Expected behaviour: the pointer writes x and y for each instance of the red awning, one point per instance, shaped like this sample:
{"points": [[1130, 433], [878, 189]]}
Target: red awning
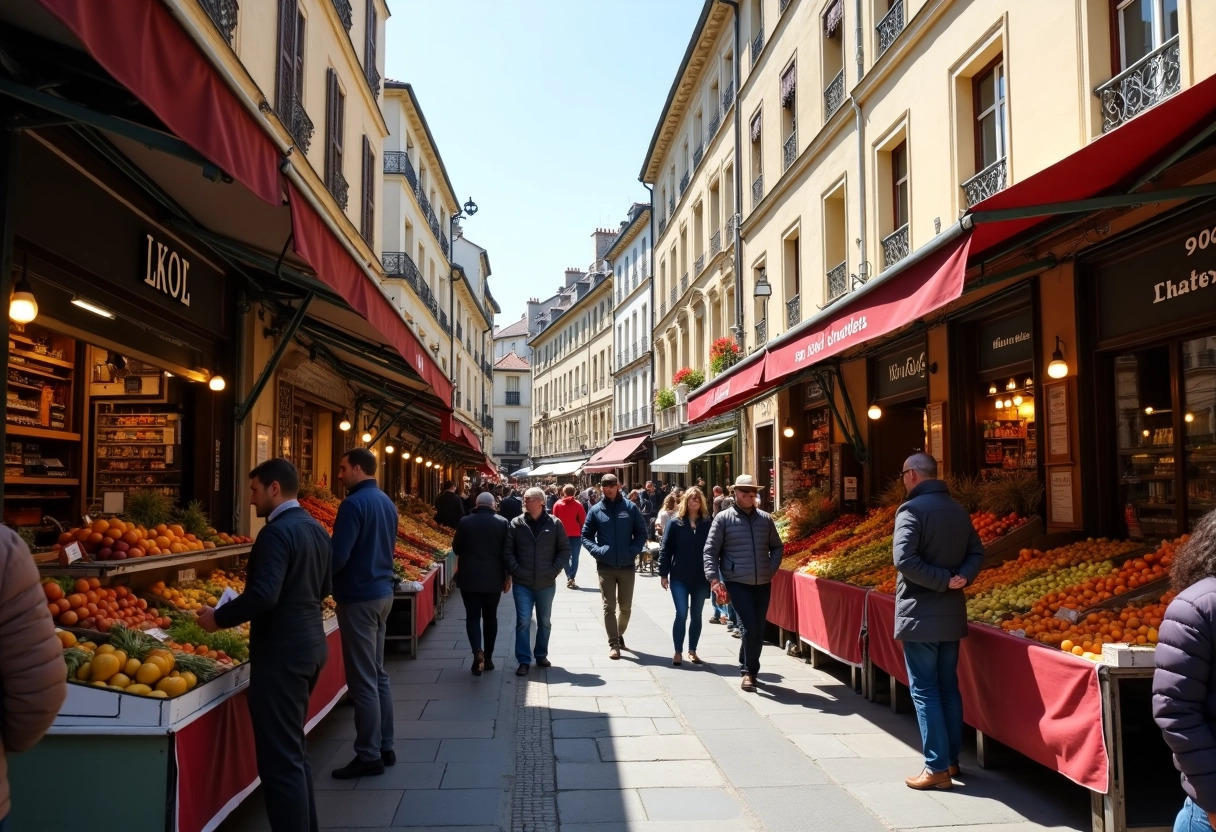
{"points": [[725, 394], [615, 454], [143, 47], [454, 430], [487, 468]]}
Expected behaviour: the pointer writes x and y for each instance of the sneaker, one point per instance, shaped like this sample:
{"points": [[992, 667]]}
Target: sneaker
{"points": [[389, 758], [359, 768], [715, 620], [572, 585]]}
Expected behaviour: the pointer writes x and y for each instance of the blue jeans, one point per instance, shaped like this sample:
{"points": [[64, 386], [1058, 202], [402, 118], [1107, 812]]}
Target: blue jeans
{"points": [[688, 597], [751, 605], [933, 682], [1190, 819], [526, 598], [576, 546], [4, 824]]}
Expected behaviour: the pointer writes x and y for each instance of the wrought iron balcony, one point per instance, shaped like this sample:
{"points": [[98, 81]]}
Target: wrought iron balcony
{"points": [[761, 333], [662, 225], [782, 6], [715, 243], [487, 422], [698, 153], [987, 182], [757, 46], [890, 26], [223, 14], [698, 265], [1143, 85], [345, 13], [793, 312], [673, 297], [399, 264], [730, 229], [444, 324], [458, 398], [459, 331], [671, 205], [645, 343], [833, 96], [512, 446], [757, 190], [443, 243], [684, 283], [662, 308], [838, 280], [338, 187], [728, 96], [633, 356], [398, 161], [298, 123], [684, 182], [373, 80], [895, 246], [790, 151], [715, 121]]}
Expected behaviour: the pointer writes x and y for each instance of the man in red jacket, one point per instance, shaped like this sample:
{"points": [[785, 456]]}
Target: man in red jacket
{"points": [[572, 514]]}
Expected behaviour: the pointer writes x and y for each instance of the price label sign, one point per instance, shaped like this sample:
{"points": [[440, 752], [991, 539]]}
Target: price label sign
{"points": [[1071, 616], [229, 594], [158, 634], [185, 575], [70, 554]]}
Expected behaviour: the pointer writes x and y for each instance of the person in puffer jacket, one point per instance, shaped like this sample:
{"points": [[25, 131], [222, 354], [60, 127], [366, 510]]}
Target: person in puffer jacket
{"points": [[745, 549], [1184, 685], [614, 534]]}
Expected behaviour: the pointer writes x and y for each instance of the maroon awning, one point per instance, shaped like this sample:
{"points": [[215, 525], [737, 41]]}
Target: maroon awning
{"points": [[724, 394], [615, 454], [454, 430], [140, 44]]}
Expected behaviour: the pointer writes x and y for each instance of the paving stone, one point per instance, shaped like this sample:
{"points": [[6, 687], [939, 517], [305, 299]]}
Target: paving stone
{"points": [[668, 725], [601, 806], [444, 728], [646, 706], [604, 726], [404, 776], [369, 808], [636, 775], [689, 804], [902, 807], [482, 774], [735, 825], [574, 707], [821, 746], [459, 710], [812, 807], [581, 750], [404, 710], [414, 675], [738, 719], [447, 807], [458, 750], [609, 689], [724, 701], [651, 748], [871, 770]]}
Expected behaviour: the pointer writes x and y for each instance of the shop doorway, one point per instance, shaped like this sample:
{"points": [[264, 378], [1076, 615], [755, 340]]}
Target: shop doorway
{"points": [[765, 462], [898, 434]]}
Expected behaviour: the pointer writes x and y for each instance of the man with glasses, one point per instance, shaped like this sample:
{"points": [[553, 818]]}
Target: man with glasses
{"points": [[744, 551], [937, 553], [615, 534], [536, 552]]}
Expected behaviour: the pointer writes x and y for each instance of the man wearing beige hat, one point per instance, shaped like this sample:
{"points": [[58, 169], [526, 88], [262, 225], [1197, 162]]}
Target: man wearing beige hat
{"points": [[744, 551]]}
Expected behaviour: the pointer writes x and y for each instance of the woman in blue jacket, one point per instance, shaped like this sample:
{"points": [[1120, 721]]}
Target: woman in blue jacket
{"points": [[1184, 686], [681, 567]]}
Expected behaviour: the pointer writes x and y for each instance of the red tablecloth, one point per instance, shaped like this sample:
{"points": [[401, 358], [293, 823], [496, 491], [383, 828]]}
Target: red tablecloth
{"points": [[831, 616], [216, 762], [783, 607], [424, 605], [1038, 700]]}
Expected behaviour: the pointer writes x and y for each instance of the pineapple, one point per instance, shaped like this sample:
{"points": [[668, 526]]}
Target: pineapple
{"points": [[132, 642], [149, 508], [194, 520]]}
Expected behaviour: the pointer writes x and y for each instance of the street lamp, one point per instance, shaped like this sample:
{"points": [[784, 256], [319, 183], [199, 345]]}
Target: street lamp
{"points": [[763, 289], [469, 209]]}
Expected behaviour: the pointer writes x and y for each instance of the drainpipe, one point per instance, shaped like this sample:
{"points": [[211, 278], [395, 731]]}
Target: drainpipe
{"points": [[738, 214], [859, 127]]}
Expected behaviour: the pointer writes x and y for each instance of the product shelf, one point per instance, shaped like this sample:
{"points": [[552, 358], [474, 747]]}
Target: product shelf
{"points": [[108, 568]]}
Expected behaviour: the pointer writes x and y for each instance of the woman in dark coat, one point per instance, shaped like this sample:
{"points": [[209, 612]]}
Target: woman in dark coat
{"points": [[682, 569], [482, 577], [1184, 686]]}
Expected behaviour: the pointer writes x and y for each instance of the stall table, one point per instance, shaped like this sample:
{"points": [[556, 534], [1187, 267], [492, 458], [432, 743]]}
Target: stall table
{"points": [[831, 619]]}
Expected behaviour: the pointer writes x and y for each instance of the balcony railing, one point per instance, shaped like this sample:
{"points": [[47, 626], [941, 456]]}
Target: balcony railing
{"points": [[761, 333], [459, 331], [487, 422], [730, 229], [662, 225], [620, 358], [633, 356], [458, 398], [757, 46], [715, 243], [444, 324], [223, 15], [793, 311], [698, 265], [1144, 84], [838, 280], [373, 79], [684, 180], [782, 6], [833, 96], [512, 398], [684, 283], [757, 190], [400, 264], [671, 205], [715, 121], [697, 154], [662, 308], [398, 161], [512, 446], [645, 343], [987, 182], [671, 418], [299, 124], [338, 187], [443, 244], [790, 151], [890, 26], [895, 246], [672, 297], [728, 96], [345, 13]]}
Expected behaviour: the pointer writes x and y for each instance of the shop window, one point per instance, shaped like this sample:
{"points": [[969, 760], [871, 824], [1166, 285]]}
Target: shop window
{"points": [[1199, 426], [1145, 423]]}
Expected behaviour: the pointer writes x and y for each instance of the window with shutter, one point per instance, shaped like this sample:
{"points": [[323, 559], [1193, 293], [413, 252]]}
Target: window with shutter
{"points": [[335, 106], [285, 81], [369, 192], [369, 49]]}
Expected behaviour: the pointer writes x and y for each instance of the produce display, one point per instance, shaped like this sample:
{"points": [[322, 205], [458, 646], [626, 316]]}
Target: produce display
{"points": [[85, 603], [116, 539], [194, 595], [134, 663]]}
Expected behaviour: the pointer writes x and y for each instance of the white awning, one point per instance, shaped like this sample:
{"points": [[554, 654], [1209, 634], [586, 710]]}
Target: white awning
{"points": [[677, 461], [557, 469]]}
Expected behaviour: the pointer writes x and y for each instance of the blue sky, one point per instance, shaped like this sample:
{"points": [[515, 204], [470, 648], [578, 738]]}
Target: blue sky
{"points": [[542, 111]]}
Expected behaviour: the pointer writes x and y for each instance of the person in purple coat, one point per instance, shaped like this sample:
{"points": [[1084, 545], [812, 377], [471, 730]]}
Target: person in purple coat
{"points": [[1184, 685]]}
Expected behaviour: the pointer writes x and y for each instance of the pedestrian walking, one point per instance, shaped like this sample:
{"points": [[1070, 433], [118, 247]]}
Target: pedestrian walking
{"points": [[1184, 685], [480, 545], [550, 498], [670, 508], [511, 506], [365, 535], [572, 514], [449, 508], [32, 678], [614, 534], [651, 503], [287, 576], [718, 497], [682, 569], [937, 553], [537, 550], [745, 549]]}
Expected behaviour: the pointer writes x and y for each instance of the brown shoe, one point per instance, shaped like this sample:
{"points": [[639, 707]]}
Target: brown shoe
{"points": [[930, 780], [676, 659], [748, 683], [614, 653], [694, 658]]}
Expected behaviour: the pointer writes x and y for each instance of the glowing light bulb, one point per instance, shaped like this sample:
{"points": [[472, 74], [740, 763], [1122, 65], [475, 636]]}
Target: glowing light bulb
{"points": [[875, 412]]}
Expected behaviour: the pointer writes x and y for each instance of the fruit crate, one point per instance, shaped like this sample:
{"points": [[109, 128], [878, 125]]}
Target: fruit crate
{"points": [[1004, 548]]}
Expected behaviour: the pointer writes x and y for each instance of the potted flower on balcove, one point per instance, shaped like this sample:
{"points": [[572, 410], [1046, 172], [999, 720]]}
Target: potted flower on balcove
{"points": [[723, 353], [664, 399]]}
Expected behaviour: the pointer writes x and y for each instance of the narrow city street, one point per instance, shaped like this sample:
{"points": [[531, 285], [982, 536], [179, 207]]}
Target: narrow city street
{"points": [[637, 744]]}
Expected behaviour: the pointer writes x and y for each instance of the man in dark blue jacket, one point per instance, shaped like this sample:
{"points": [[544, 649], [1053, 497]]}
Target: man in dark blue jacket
{"points": [[287, 577], [511, 506], [615, 534], [937, 553], [365, 535]]}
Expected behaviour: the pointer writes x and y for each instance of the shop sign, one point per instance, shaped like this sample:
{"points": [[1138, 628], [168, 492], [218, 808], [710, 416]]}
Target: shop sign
{"points": [[1159, 285], [1007, 341], [167, 271], [904, 371]]}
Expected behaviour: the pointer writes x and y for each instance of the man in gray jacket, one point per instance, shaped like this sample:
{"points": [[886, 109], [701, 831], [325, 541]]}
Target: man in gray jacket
{"points": [[744, 551], [537, 550], [937, 553]]}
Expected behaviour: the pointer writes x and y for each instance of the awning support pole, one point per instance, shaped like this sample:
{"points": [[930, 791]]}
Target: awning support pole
{"points": [[405, 407], [289, 332], [851, 430]]}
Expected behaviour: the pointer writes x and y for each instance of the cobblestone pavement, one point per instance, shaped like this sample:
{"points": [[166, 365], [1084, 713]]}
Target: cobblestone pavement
{"points": [[596, 745]]}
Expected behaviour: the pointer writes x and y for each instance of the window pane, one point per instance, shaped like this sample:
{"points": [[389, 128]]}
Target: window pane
{"points": [[989, 141], [902, 218], [1199, 425], [1136, 20], [1146, 442], [1171, 19], [987, 85]]}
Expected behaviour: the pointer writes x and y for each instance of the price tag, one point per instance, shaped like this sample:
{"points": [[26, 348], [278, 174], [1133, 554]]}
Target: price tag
{"points": [[1071, 616], [229, 594], [158, 634], [185, 575], [88, 519], [70, 554]]}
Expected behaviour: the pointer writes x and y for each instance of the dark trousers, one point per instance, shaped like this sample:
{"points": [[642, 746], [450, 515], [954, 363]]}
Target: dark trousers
{"points": [[751, 605], [278, 709], [481, 619]]}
